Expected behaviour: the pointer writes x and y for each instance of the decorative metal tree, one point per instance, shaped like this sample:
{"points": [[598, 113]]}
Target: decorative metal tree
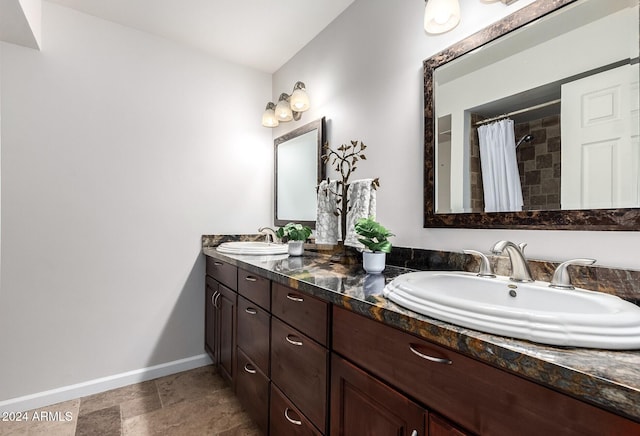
{"points": [[344, 161]]}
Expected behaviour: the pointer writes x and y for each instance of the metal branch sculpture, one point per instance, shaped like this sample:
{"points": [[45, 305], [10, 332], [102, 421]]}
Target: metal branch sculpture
{"points": [[344, 161]]}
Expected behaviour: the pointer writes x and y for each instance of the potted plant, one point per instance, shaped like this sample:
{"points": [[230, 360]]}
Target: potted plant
{"points": [[295, 234], [374, 238]]}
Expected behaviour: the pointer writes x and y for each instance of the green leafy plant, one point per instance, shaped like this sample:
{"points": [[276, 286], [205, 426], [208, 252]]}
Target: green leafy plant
{"points": [[374, 235], [294, 232]]}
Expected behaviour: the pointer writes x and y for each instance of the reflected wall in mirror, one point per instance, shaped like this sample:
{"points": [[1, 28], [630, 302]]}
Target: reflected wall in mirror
{"points": [[533, 121], [298, 170]]}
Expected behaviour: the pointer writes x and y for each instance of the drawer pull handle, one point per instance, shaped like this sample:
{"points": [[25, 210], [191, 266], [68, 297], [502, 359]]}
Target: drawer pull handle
{"points": [[251, 311], [293, 341], [215, 301], [292, 421], [249, 369], [213, 298], [251, 279], [430, 358], [295, 298], [218, 263], [414, 433]]}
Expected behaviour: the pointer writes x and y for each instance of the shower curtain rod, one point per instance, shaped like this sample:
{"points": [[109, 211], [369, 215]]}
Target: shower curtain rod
{"points": [[519, 111]]}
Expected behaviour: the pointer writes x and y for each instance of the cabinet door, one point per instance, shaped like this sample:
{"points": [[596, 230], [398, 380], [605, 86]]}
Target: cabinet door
{"points": [[252, 389], [227, 303], [439, 426], [253, 333], [299, 368], [286, 419], [362, 405], [210, 320]]}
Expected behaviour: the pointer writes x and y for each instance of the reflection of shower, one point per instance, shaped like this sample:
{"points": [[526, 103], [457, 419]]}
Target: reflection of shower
{"points": [[525, 138]]}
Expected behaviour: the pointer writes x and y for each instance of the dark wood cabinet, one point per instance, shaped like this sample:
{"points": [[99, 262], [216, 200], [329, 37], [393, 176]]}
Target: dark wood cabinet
{"points": [[439, 426], [299, 367], [362, 405], [302, 311], [227, 314], [255, 288], [254, 333], [285, 419], [220, 316], [252, 389], [474, 395], [211, 329]]}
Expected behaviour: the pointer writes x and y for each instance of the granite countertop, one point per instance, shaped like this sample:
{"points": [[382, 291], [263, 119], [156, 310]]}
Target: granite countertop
{"points": [[608, 379]]}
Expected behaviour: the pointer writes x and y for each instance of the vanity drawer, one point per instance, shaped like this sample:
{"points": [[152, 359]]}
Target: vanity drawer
{"points": [[255, 288], [479, 397], [306, 313], [299, 368], [286, 419], [253, 333], [223, 272], [252, 389]]}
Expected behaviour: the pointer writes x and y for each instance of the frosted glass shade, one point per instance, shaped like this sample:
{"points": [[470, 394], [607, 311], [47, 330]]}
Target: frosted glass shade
{"points": [[283, 111], [441, 15], [269, 116], [299, 100]]}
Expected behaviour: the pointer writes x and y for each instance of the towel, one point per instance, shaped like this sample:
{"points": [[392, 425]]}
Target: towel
{"points": [[327, 223], [362, 204]]}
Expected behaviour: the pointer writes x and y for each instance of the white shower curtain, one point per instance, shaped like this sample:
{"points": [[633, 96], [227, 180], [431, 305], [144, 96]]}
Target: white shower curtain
{"points": [[500, 176]]}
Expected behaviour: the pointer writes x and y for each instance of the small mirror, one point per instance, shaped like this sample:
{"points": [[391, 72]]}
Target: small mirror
{"points": [[298, 170]]}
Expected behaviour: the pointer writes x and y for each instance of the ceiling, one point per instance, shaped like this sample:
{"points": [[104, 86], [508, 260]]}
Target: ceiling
{"points": [[262, 34]]}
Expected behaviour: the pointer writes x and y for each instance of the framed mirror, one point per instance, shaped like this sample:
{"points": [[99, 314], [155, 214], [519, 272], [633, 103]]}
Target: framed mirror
{"points": [[565, 73], [298, 170]]}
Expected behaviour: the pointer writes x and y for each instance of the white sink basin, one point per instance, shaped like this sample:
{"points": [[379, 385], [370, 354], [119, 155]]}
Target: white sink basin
{"points": [[252, 247], [531, 311]]}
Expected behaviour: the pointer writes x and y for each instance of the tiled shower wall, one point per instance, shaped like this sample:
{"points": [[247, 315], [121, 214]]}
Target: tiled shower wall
{"points": [[538, 164]]}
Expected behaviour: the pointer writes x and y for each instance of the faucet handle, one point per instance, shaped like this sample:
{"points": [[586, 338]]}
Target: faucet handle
{"points": [[561, 278], [485, 265]]}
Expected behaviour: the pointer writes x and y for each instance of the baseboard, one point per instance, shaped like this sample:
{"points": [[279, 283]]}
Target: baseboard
{"points": [[53, 396]]}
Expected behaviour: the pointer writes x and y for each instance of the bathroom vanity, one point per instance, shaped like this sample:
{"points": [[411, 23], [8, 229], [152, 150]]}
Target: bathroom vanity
{"points": [[312, 347]]}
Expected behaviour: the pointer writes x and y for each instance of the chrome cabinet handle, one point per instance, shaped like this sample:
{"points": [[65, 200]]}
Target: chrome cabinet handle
{"points": [[251, 311], [295, 298], [293, 341], [217, 263], [213, 298], [251, 279], [292, 421], [249, 369], [414, 433], [430, 358], [215, 302]]}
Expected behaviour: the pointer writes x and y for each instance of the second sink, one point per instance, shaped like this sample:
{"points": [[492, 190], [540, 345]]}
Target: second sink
{"points": [[531, 311]]}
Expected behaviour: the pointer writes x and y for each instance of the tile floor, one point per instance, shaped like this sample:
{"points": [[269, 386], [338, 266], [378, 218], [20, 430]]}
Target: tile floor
{"points": [[196, 402]]}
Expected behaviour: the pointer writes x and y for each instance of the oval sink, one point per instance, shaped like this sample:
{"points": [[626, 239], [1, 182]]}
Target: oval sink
{"points": [[531, 311], [252, 247]]}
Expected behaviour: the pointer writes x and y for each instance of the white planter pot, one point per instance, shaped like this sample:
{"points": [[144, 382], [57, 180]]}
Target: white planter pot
{"points": [[373, 262], [296, 248]]}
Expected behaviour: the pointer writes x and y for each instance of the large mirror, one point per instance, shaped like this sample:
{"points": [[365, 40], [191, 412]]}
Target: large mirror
{"points": [[298, 170], [533, 121]]}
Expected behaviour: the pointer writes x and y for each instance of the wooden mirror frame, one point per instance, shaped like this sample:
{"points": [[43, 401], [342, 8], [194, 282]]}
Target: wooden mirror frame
{"points": [[587, 219]]}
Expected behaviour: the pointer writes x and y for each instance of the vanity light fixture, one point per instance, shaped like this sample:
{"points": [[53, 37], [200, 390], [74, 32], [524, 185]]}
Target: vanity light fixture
{"points": [[443, 15], [269, 116], [289, 107]]}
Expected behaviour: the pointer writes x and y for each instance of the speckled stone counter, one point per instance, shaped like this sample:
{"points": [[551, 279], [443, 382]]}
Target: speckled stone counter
{"points": [[608, 379]]}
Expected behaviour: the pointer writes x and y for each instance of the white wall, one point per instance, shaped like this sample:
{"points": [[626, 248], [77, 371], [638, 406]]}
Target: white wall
{"points": [[364, 73], [119, 150]]}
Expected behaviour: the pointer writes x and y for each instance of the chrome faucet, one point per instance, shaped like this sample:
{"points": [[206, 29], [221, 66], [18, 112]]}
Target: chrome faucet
{"points": [[520, 271], [561, 278], [269, 233]]}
